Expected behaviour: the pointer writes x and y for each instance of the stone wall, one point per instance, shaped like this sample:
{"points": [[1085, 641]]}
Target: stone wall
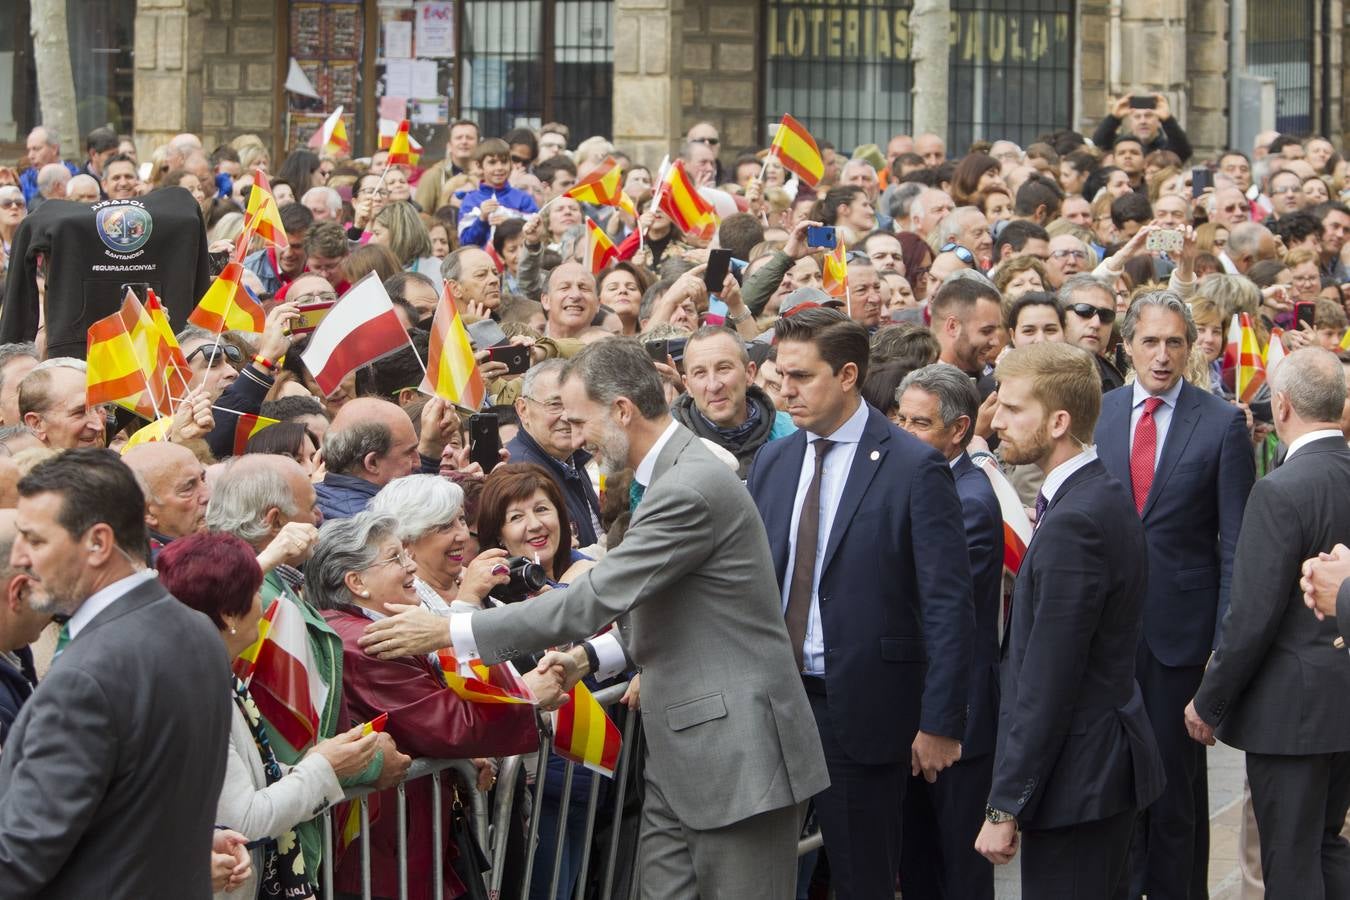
{"points": [[720, 82], [168, 80], [240, 70], [647, 48]]}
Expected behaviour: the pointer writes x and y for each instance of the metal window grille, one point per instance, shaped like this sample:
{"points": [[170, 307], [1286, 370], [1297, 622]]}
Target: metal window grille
{"points": [[1280, 46], [844, 68]]}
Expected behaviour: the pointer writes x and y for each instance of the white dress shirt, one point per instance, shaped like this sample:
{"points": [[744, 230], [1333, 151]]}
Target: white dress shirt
{"points": [[1060, 473], [608, 651], [1308, 438], [1162, 416], [105, 598], [833, 476]]}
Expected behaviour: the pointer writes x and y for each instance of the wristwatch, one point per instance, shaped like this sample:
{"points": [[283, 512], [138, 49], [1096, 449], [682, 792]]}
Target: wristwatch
{"points": [[997, 816]]}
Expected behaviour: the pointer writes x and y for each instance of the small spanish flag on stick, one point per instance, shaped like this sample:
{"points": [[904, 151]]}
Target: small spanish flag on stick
{"points": [[227, 306], [452, 370], [400, 148], [480, 687], [600, 250], [680, 200], [1243, 366], [584, 734], [797, 151]]}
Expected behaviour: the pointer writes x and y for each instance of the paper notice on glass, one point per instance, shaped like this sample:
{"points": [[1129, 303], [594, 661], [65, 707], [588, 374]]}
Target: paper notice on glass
{"points": [[433, 111], [435, 28], [392, 107], [398, 78], [398, 39], [423, 79]]}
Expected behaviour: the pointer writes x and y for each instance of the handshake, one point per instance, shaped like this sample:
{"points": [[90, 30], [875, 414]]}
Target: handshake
{"points": [[560, 670]]}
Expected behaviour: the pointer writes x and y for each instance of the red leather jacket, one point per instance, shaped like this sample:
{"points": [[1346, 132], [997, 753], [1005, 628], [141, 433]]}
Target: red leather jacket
{"points": [[425, 720]]}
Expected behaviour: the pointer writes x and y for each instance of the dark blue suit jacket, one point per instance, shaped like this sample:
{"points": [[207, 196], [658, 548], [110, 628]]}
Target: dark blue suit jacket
{"points": [[895, 589], [984, 539], [575, 484], [1191, 518], [1074, 742]]}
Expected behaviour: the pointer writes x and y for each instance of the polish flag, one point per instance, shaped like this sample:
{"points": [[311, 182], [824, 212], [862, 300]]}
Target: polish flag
{"points": [[285, 682], [1017, 528], [361, 328]]}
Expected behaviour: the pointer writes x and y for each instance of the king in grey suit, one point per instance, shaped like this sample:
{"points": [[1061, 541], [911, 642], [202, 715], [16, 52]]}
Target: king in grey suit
{"points": [[733, 749], [109, 779]]}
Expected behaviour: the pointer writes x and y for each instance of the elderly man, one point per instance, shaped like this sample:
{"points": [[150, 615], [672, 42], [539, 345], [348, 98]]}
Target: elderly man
{"points": [[83, 188], [120, 181], [370, 443], [1089, 309], [932, 148], [176, 493], [700, 160], [1248, 244], [85, 798], [267, 500], [52, 403], [1229, 207], [930, 208], [20, 625], [966, 226], [569, 300], [16, 361], [1069, 256], [938, 404], [44, 148], [324, 203], [722, 403], [736, 755], [545, 438], [52, 180], [474, 283]]}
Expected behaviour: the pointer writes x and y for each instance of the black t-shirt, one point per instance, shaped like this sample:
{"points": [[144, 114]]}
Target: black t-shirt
{"points": [[91, 252]]}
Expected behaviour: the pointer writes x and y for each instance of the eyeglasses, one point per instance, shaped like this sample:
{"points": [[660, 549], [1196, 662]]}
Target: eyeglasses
{"points": [[711, 142], [11, 202], [961, 253], [1069, 254], [1087, 311], [1291, 189], [521, 160], [552, 407], [371, 192], [214, 354], [400, 558], [1307, 279], [855, 256], [318, 297]]}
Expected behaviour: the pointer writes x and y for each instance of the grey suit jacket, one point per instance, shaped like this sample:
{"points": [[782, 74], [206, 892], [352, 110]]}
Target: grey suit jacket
{"points": [[109, 779], [1276, 683], [729, 732]]}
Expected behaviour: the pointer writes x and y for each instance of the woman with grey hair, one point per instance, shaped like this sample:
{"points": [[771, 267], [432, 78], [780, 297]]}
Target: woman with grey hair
{"points": [[360, 570], [429, 514]]}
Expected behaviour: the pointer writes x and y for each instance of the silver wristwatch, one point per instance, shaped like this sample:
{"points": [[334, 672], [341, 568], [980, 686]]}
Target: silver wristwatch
{"points": [[997, 816]]}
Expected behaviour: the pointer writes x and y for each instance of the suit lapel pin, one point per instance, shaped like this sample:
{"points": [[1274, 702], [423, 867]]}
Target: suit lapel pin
{"points": [[876, 455]]}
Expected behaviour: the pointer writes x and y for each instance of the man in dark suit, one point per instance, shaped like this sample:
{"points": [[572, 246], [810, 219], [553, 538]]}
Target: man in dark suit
{"points": [[1186, 457], [20, 626], [110, 776], [1277, 684], [879, 611], [938, 405], [1076, 758]]}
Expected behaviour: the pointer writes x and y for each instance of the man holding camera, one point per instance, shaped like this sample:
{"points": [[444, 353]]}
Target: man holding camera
{"points": [[1186, 458], [1149, 118]]}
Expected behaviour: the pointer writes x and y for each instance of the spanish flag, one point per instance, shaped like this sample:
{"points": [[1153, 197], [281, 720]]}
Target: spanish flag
{"points": [[159, 317], [797, 151], [246, 662], [834, 272], [331, 138], [284, 680], [262, 217], [157, 430], [452, 370], [400, 149], [246, 426], [603, 187], [599, 248], [584, 734], [116, 371], [311, 314], [480, 688], [226, 306], [686, 207], [1243, 368]]}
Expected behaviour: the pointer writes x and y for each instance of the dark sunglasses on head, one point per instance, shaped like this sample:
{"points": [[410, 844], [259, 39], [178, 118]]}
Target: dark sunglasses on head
{"points": [[1087, 311], [213, 354], [855, 256], [961, 253]]}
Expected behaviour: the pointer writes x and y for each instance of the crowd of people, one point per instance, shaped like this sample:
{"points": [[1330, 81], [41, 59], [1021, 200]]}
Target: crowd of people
{"points": [[796, 501]]}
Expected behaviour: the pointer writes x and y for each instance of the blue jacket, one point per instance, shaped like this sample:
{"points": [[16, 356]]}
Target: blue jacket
{"points": [[343, 496], [472, 229], [572, 479], [16, 686], [984, 541], [28, 181], [1191, 517], [895, 601]]}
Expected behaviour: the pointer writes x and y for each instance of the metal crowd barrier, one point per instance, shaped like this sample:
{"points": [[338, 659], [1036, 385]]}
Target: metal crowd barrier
{"points": [[492, 827]]}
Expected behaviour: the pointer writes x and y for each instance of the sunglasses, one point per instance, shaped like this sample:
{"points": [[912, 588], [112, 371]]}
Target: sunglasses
{"points": [[521, 160], [1087, 311], [711, 142], [856, 256], [961, 253], [11, 202], [214, 354]]}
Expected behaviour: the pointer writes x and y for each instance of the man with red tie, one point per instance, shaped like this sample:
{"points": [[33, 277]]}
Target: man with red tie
{"points": [[1185, 456]]}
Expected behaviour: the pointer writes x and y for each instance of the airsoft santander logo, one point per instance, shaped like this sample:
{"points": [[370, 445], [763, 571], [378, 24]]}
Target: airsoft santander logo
{"points": [[124, 226]]}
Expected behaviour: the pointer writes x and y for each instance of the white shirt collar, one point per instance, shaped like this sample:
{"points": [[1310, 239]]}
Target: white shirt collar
{"points": [[1169, 396], [1060, 473], [850, 432], [104, 598], [952, 463], [643, 473], [1311, 436]]}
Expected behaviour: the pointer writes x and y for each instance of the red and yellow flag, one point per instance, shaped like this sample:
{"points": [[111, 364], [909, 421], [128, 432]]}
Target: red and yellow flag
{"points": [[686, 207], [246, 662], [834, 272], [797, 151], [246, 426], [584, 734], [1243, 367], [311, 314], [401, 152], [226, 306], [157, 430], [262, 216], [602, 187], [331, 138], [169, 348], [481, 689], [600, 250], [117, 370], [452, 370]]}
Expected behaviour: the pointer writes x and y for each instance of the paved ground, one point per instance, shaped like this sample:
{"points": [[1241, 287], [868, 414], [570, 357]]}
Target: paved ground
{"points": [[1225, 811]]}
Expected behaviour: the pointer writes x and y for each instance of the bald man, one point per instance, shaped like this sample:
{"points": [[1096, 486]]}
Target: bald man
{"points": [[569, 299], [175, 488], [370, 443], [52, 403], [82, 189]]}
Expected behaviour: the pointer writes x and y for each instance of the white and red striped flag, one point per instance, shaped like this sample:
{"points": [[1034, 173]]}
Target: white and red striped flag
{"points": [[283, 677], [359, 329], [1017, 528]]}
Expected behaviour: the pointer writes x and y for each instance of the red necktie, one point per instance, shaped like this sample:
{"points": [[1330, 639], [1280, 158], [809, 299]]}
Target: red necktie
{"points": [[1144, 452]]}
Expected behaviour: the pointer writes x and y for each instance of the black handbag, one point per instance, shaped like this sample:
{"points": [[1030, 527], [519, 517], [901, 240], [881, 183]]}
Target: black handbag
{"points": [[471, 862]]}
